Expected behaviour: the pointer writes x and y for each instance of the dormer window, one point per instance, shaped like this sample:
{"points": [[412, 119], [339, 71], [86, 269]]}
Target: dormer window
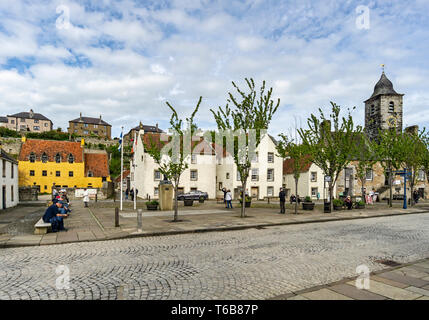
{"points": [[71, 158], [58, 158], [44, 157], [391, 107], [32, 157]]}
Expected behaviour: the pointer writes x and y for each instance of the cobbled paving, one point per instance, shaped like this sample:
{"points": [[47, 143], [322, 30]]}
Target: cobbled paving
{"points": [[248, 264]]}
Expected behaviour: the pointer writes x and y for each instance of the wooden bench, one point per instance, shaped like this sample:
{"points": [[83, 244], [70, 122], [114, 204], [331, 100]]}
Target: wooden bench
{"points": [[41, 227]]}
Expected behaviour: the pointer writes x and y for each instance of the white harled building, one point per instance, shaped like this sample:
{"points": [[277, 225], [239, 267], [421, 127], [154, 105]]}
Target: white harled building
{"points": [[9, 193], [210, 170]]}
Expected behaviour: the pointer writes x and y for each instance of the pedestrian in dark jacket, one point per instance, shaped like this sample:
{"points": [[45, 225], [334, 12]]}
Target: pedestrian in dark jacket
{"points": [[54, 217], [282, 197]]}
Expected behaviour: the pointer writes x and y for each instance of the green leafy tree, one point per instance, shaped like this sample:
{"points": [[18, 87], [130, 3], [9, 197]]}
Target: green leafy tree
{"points": [[425, 156], [366, 157], [173, 162], [391, 154], [414, 152], [299, 154], [245, 114], [331, 150]]}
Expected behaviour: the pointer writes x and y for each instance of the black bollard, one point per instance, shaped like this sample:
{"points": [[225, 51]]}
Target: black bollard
{"points": [[116, 217]]}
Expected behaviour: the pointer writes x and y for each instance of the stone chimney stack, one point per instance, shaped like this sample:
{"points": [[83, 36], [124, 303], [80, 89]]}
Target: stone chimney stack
{"points": [[156, 127], [31, 113], [80, 116]]}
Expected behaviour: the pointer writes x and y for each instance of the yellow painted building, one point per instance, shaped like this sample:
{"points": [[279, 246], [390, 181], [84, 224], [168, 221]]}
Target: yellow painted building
{"points": [[65, 164]]}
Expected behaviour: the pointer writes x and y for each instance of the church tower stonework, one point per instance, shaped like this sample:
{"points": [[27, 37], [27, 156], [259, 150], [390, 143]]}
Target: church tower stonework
{"points": [[384, 109]]}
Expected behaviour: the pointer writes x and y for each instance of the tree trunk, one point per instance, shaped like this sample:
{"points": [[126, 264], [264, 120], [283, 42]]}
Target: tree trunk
{"points": [[176, 215], [331, 198], [243, 202], [296, 192], [390, 187], [412, 189]]}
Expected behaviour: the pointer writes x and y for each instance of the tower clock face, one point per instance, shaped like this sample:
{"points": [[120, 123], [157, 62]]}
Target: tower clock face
{"points": [[391, 121]]}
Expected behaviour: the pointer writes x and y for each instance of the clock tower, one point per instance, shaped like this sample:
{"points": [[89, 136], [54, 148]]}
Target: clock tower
{"points": [[383, 110]]}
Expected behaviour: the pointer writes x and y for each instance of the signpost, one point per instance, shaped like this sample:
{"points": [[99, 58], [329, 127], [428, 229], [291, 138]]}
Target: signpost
{"points": [[404, 173]]}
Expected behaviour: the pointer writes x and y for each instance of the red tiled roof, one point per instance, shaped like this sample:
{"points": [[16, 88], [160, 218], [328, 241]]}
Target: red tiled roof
{"points": [[51, 148], [288, 166], [97, 163], [126, 173]]}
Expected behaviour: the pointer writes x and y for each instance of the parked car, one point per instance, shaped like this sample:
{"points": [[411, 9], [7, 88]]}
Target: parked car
{"points": [[193, 195]]}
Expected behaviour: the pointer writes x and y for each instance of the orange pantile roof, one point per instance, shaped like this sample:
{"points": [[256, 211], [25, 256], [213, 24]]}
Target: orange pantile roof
{"points": [[51, 148], [126, 173], [288, 166], [97, 163]]}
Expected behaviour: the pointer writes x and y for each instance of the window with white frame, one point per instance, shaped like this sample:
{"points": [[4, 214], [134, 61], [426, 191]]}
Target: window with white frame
{"points": [[255, 158], [255, 174], [156, 175], [314, 177], [270, 175], [270, 191], [270, 157], [314, 192], [193, 158], [369, 175], [194, 175], [156, 191]]}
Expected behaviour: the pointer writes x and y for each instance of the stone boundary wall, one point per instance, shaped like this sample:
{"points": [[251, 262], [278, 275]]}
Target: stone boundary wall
{"points": [[28, 194], [11, 145]]}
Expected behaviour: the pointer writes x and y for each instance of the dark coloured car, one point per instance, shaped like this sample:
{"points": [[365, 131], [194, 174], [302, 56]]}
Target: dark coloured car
{"points": [[193, 195]]}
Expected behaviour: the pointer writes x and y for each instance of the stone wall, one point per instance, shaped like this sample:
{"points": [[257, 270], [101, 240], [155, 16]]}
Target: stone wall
{"points": [[28, 194], [11, 145], [378, 183]]}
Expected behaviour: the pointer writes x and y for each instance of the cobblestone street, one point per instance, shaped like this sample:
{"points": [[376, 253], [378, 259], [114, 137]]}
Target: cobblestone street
{"points": [[247, 264]]}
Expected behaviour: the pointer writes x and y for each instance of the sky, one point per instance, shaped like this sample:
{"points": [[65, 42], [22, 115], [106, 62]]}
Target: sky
{"points": [[124, 59]]}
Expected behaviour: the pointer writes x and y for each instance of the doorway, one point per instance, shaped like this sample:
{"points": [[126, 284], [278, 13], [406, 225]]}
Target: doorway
{"points": [[3, 197], [254, 191]]}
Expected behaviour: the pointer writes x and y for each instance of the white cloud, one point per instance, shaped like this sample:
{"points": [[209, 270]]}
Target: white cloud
{"points": [[125, 60]]}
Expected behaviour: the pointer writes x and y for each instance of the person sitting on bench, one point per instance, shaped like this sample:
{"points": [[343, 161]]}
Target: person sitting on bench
{"points": [[348, 203], [54, 217]]}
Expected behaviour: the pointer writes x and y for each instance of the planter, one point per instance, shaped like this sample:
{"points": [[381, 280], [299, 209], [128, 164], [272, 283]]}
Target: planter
{"points": [[201, 200], [188, 203], [246, 204], [308, 206], [152, 207], [338, 208]]}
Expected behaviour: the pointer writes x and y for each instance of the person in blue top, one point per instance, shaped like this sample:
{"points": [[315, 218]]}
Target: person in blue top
{"points": [[54, 217]]}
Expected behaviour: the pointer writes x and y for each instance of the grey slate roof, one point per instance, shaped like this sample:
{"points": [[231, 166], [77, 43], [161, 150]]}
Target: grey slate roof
{"points": [[26, 115], [90, 120], [146, 128], [383, 86], [3, 119], [6, 156]]}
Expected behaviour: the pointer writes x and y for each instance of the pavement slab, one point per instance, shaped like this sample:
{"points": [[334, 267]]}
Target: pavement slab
{"points": [[391, 292], [353, 292], [398, 277], [325, 294]]}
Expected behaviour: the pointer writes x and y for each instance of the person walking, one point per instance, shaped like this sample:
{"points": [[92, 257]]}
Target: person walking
{"points": [[318, 196], [132, 194], [282, 197], [224, 196], [54, 192], [228, 199], [127, 191], [85, 197]]}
